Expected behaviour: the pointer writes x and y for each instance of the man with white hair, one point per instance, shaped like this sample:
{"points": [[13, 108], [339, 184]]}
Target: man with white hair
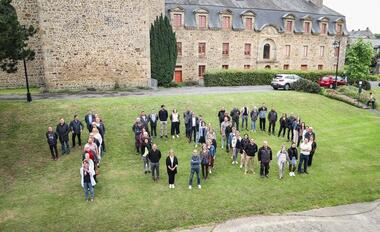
{"points": [[264, 157]]}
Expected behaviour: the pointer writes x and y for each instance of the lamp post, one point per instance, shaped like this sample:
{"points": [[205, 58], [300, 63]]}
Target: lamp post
{"points": [[336, 45], [28, 95]]}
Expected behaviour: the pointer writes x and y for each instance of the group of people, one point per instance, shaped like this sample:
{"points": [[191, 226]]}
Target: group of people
{"points": [[197, 130], [93, 150]]}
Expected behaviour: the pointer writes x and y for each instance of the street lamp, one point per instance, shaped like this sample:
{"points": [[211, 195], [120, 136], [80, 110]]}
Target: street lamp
{"points": [[28, 95], [336, 45]]}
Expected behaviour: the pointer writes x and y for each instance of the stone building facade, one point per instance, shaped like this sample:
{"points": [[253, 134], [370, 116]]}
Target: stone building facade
{"points": [[84, 43], [290, 35]]}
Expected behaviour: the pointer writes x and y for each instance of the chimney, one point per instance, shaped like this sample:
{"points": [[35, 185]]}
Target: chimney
{"points": [[318, 3]]}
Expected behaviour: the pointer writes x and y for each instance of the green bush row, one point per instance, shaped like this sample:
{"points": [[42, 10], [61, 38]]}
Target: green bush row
{"points": [[238, 77], [307, 86]]}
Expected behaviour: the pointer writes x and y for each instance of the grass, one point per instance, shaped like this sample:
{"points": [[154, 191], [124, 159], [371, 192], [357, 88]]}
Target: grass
{"points": [[19, 91], [40, 195]]}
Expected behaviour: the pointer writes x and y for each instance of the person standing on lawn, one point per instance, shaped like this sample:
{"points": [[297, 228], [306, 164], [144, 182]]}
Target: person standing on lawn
{"points": [[154, 157], [272, 118], [282, 125], [243, 155], [137, 129], [194, 124], [204, 155], [235, 115], [293, 157], [313, 149], [89, 119], [250, 150], [244, 117], [187, 118], [282, 158], [87, 180], [163, 116], [171, 166], [174, 117], [153, 118], [76, 128], [289, 125], [254, 116], [296, 129], [262, 116], [264, 156], [102, 130], [212, 154], [371, 101], [194, 168], [52, 138], [63, 135], [223, 127], [304, 156], [229, 130], [146, 147], [221, 114]]}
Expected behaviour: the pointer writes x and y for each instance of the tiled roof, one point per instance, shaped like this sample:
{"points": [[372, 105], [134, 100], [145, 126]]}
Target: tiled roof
{"points": [[268, 12]]}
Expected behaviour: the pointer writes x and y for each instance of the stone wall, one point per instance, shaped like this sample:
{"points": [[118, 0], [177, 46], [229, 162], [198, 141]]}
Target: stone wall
{"points": [[27, 12], [85, 43], [236, 59]]}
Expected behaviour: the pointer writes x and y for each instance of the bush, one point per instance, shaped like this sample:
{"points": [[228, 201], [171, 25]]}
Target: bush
{"points": [[254, 77], [333, 94], [307, 86], [353, 92]]}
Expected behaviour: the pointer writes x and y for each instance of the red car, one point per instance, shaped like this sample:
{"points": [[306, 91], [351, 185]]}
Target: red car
{"points": [[328, 81]]}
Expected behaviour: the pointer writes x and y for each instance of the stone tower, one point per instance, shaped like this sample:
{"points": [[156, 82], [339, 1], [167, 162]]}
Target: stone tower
{"points": [[83, 43]]}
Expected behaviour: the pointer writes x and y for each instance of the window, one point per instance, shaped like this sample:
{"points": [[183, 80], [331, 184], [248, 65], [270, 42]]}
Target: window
{"points": [[322, 51], [324, 28], [202, 21], [304, 67], [247, 49], [225, 66], [248, 23], [305, 50], [226, 22], [320, 67], [266, 52], [286, 67], [177, 20], [339, 29], [226, 49], [201, 70], [202, 49], [336, 52], [247, 66], [179, 48], [289, 26], [306, 27], [287, 51]]}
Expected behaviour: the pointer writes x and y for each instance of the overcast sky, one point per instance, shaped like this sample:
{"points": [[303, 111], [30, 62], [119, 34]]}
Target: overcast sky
{"points": [[359, 14]]}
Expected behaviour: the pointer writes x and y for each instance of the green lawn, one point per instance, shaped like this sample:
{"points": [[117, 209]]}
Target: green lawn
{"points": [[41, 195], [19, 91]]}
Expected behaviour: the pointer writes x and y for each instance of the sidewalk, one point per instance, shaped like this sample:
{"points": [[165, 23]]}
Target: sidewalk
{"points": [[159, 92], [361, 217]]}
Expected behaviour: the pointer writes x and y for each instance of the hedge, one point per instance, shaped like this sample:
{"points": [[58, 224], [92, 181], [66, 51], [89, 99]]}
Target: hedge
{"points": [[259, 77], [307, 86]]}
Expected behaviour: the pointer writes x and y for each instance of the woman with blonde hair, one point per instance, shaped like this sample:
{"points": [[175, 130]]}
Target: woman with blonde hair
{"points": [[171, 166]]}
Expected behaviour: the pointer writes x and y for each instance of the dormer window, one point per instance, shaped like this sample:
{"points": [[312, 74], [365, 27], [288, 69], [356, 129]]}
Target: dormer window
{"points": [[307, 27], [177, 16], [248, 19], [226, 19], [324, 25], [324, 28], [289, 23], [201, 18], [339, 28]]}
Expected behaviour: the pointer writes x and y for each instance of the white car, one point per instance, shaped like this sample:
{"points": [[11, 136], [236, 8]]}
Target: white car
{"points": [[284, 81]]}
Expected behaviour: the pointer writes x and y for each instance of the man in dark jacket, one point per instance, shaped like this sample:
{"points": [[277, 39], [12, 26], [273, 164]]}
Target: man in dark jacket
{"points": [[89, 119], [272, 118], [163, 116], [154, 157], [262, 116], [264, 156], [293, 157], [63, 135], [221, 114], [289, 125], [250, 150], [235, 115], [137, 130], [187, 118], [194, 127], [76, 128], [144, 120], [282, 125], [52, 138]]}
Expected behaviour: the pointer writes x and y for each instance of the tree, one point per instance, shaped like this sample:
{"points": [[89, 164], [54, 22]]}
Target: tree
{"points": [[163, 50], [359, 59], [13, 38], [377, 36]]}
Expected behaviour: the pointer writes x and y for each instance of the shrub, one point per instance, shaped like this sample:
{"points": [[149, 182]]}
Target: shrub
{"points": [[254, 77], [333, 94], [353, 92], [303, 85], [365, 85]]}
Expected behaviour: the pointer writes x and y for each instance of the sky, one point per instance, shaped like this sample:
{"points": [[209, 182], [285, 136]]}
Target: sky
{"points": [[359, 14]]}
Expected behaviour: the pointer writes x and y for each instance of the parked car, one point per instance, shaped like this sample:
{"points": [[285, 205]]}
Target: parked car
{"points": [[328, 81], [284, 81]]}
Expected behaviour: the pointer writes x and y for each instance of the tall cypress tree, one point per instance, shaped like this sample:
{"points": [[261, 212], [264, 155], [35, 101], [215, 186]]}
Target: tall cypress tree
{"points": [[163, 50]]}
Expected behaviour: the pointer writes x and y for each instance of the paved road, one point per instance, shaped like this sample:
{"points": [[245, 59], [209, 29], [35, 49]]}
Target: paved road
{"points": [[158, 92], [362, 217]]}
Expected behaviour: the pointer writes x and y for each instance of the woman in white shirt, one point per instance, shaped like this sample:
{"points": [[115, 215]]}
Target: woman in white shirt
{"points": [[174, 117]]}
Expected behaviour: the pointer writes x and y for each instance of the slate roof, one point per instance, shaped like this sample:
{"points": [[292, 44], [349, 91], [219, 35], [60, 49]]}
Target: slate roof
{"points": [[365, 34], [268, 12]]}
